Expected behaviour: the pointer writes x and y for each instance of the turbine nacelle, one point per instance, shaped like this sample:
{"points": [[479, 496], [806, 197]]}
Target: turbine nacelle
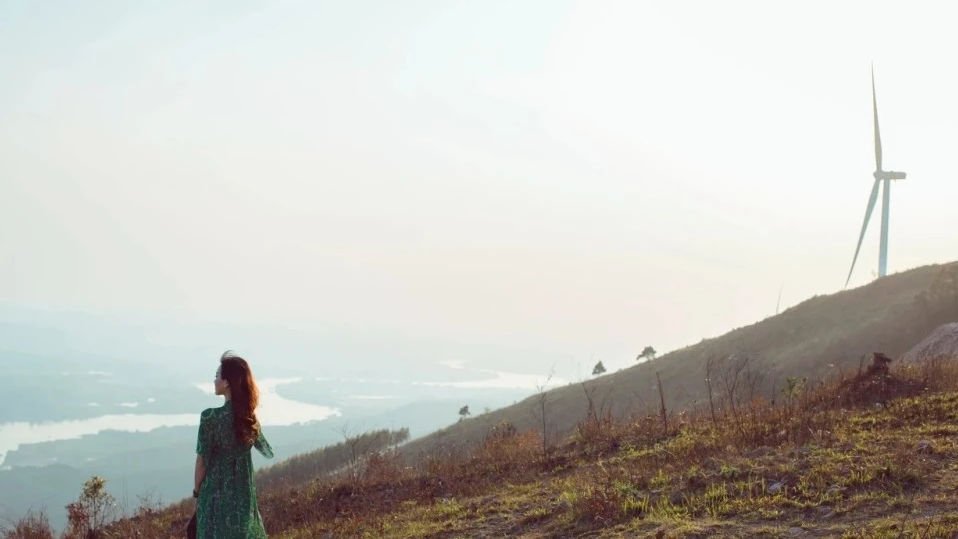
{"points": [[888, 175]]}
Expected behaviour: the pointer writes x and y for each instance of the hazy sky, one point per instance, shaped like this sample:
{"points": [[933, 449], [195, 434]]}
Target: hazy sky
{"points": [[579, 177]]}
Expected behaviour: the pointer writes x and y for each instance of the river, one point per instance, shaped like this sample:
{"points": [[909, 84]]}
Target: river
{"points": [[273, 410]]}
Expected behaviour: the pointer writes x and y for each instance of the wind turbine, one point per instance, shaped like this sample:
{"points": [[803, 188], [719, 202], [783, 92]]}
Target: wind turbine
{"points": [[883, 179]]}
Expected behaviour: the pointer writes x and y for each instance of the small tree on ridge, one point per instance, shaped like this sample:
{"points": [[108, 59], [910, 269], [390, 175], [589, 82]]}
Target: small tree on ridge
{"points": [[647, 353], [598, 369]]}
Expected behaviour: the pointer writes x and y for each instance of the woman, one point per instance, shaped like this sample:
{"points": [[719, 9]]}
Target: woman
{"points": [[223, 479]]}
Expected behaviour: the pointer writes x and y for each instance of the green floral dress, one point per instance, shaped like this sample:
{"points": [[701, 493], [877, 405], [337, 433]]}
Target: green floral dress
{"points": [[227, 508]]}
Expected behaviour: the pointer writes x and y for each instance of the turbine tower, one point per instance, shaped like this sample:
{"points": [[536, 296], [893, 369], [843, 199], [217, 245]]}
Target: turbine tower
{"points": [[883, 179]]}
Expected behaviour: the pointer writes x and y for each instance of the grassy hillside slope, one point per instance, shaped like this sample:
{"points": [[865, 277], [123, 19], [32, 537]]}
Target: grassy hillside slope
{"points": [[851, 452], [812, 339], [863, 455]]}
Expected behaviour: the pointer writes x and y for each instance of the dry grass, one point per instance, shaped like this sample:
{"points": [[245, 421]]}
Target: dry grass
{"points": [[34, 525]]}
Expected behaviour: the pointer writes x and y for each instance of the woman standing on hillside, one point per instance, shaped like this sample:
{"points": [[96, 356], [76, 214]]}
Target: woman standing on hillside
{"points": [[226, 505]]}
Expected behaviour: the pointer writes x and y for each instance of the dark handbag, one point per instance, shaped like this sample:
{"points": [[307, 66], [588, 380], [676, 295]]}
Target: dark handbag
{"points": [[191, 528]]}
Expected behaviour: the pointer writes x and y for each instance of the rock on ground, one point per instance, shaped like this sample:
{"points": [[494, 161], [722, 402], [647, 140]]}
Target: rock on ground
{"points": [[940, 344]]}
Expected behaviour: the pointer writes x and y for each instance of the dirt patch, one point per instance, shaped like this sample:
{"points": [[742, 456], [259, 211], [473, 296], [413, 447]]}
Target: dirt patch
{"points": [[876, 384]]}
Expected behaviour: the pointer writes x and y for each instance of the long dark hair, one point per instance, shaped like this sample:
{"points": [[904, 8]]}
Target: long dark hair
{"points": [[244, 397]]}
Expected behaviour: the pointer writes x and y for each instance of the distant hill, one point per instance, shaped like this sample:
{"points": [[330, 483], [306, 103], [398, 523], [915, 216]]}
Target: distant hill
{"points": [[823, 333]]}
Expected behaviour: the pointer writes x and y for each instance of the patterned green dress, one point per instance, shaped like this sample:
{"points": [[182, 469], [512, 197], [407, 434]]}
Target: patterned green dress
{"points": [[227, 508]]}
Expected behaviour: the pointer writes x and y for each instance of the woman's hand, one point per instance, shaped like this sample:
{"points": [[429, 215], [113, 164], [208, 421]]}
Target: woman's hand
{"points": [[199, 474]]}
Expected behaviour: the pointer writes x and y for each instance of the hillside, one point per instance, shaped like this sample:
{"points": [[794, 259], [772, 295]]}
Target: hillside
{"points": [[812, 339], [867, 455], [854, 451]]}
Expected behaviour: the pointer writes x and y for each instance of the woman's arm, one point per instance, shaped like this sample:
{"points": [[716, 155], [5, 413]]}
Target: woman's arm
{"points": [[262, 445], [199, 474], [203, 446]]}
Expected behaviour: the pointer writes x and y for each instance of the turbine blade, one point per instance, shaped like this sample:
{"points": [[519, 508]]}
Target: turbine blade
{"points": [[861, 236], [877, 131]]}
